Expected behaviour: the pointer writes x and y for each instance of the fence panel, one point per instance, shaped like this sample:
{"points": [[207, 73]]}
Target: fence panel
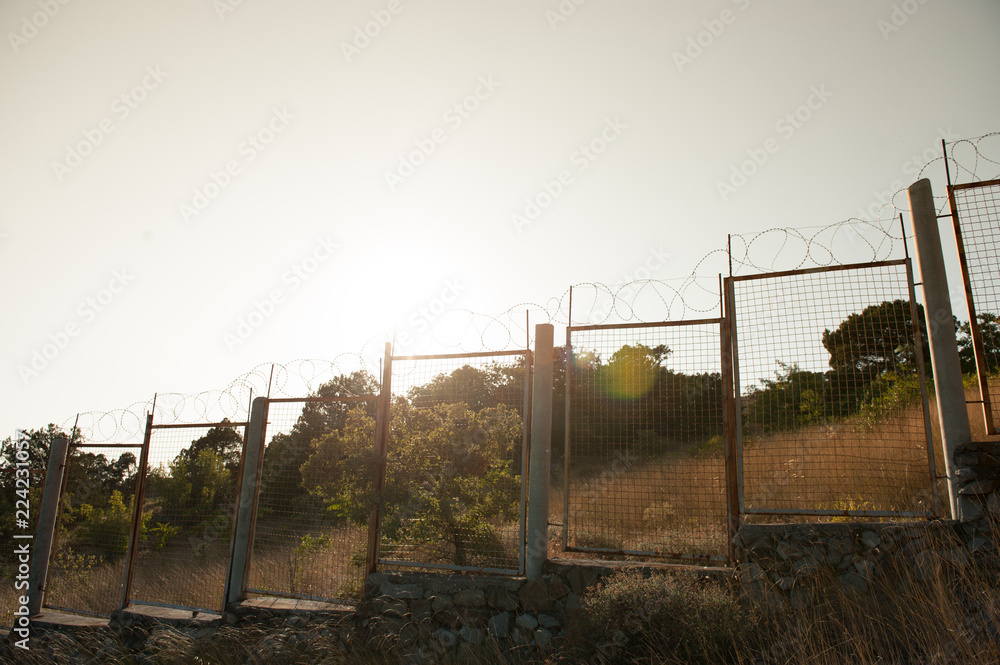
{"points": [[829, 376], [93, 528], [976, 215], [310, 533], [454, 495], [188, 502], [645, 468]]}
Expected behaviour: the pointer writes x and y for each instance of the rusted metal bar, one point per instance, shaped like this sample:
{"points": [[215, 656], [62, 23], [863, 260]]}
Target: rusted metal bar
{"points": [[138, 497], [451, 356], [447, 566], [656, 324], [525, 443], [568, 374], [728, 424], [324, 400], [190, 425], [737, 408], [381, 455], [650, 554], [821, 269], [837, 513], [982, 372], [975, 185]]}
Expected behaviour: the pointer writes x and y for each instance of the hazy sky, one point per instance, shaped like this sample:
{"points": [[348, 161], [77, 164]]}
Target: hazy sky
{"points": [[171, 168]]}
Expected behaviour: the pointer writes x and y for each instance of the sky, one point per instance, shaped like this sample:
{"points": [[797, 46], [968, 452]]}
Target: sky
{"points": [[198, 188]]}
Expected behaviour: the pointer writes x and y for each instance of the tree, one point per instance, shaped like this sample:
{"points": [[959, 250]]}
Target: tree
{"points": [[281, 481], [879, 339], [224, 441], [989, 329], [451, 471], [479, 388]]}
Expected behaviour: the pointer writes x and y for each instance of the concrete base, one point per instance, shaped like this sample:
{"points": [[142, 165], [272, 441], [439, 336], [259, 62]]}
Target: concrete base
{"points": [[62, 621]]}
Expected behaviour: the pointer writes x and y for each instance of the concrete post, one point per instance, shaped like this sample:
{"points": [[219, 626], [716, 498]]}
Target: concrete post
{"points": [[541, 452], [953, 416], [249, 494], [45, 531]]}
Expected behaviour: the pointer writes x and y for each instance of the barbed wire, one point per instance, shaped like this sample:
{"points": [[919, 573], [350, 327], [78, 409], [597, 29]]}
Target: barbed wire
{"points": [[460, 330], [846, 242]]}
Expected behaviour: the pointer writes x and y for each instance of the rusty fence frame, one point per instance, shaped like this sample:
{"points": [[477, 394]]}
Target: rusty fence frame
{"points": [[140, 496], [382, 451], [736, 416], [63, 486], [245, 587], [732, 505], [982, 371]]}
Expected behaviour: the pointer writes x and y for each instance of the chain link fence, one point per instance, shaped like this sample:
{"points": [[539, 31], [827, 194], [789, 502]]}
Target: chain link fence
{"points": [[832, 407], [454, 495], [644, 465], [310, 532], [976, 215], [190, 488]]}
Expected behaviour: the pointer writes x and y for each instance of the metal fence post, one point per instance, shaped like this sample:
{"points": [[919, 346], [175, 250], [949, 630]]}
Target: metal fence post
{"points": [[45, 531], [541, 451], [249, 495], [381, 455], [137, 501], [953, 416]]}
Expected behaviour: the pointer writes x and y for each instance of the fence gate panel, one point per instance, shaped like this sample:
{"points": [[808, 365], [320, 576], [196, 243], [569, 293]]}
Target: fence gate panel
{"points": [[644, 461], [454, 495], [317, 469], [976, 215], [189, 496], [92, 533], [832, 416]]}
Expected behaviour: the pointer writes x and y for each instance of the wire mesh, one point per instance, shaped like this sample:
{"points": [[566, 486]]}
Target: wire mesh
{"points": [[189, 500], [831, 413], [646, 473], [88, 563], [978, 210], [453, 494], [310, 534]]}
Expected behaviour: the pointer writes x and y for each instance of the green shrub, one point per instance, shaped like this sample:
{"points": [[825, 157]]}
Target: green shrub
{"points": [[663, 618]]}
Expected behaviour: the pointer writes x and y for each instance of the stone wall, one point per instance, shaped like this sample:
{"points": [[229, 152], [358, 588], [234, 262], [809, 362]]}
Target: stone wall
{"points": [[791, 563], [425, 615]]}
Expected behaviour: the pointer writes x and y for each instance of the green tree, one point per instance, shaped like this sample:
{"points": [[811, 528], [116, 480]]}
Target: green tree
{"points": [[879, 339], [989, 328], [450, 473], [479, 388], [282, 490]]}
